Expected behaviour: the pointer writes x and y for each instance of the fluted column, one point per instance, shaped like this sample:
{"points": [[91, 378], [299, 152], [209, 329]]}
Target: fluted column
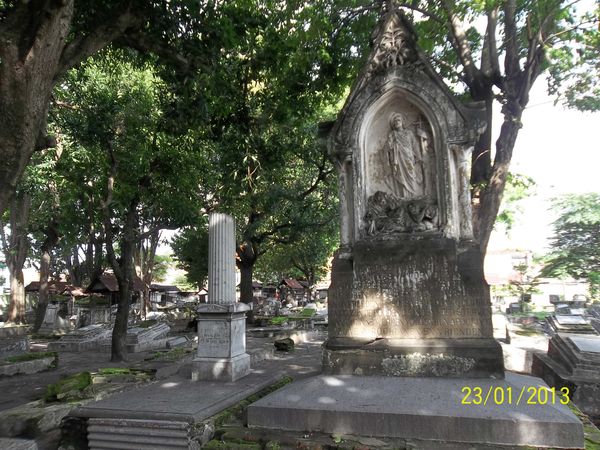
{"points": [[221, 259]]}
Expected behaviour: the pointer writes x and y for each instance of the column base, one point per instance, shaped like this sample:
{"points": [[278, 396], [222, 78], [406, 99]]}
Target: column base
{"points": [[221, 369]]}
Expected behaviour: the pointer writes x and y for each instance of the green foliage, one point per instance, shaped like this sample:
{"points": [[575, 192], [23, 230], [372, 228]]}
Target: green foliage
{"points": [[518, 187], [190, 247], [575, 246], [279, 320], [162, 263], [575, 60]]}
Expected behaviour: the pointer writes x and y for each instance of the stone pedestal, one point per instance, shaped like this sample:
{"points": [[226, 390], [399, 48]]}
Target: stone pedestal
{"points": [[416, 306], [221, 322], [221, 343]]}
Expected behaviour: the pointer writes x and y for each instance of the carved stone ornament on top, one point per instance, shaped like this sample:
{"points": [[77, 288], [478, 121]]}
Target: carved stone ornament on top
{"points": [[396, 48]]}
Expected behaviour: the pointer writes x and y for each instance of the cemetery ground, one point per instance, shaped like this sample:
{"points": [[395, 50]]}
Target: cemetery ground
{"points": [[24, 413]]}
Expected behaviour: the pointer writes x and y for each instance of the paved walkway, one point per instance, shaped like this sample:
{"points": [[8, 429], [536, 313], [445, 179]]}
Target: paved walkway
{"points": [[21, 389]]}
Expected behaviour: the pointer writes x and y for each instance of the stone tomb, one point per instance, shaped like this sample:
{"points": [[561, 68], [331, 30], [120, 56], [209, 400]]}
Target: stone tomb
{"points": [[99, 337], [53, 323], [92, 337], [409, 308], [561, 323], [573, 361], [407, 294]]}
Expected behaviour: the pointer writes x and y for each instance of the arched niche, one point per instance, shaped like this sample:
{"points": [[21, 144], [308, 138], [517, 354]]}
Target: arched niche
{"points": [[399, 166]]}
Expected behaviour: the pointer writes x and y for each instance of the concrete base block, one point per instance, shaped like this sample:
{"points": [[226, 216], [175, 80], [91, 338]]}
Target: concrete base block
{"points": [[420, 408], [221, 369]]}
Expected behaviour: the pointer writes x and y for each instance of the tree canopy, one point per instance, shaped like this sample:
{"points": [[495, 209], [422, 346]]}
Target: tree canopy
{"points": [[575, 246]]}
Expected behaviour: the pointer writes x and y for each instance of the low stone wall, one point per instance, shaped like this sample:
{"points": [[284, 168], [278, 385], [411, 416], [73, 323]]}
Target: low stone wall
{"points": [[13, 346]]}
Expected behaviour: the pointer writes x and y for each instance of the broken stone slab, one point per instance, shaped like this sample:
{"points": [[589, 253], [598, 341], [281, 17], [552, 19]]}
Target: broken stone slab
{"points": [[13, 346], [177, 341], [139, 335], [86, 338], [418, 408], [28, 367], [17, 444]]}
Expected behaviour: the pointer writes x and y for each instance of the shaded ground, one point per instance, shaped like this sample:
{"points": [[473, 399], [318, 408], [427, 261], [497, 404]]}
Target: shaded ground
{"points": [[21, 389]]}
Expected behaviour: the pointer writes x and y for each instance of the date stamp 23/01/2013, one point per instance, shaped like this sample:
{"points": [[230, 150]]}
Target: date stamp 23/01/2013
{"points": [[527, 395]]}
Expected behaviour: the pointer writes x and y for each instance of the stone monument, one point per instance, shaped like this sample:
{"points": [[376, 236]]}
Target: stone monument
{"points": [[408, 295], [222, 321], [410, 328]]}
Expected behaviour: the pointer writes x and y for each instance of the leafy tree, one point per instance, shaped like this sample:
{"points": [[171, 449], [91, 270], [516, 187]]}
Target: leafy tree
{"points": [[575, 246], [307, 258], [134, 164], [190, 247], [41, 40], [518, 187], [270, 89]]}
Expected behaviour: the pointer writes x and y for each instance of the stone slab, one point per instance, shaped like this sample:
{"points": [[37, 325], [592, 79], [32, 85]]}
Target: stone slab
{"points": [[177, 399], [586, 344], [570, 320], [419, 408]]}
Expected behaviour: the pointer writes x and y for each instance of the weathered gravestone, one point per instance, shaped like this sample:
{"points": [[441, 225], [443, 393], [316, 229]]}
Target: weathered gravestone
{"points": [[221, 322], [54, 322], [410, 330], [407, 294]]}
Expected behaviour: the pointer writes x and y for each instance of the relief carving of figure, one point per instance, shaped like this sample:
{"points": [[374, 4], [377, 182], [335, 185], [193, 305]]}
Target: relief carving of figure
{"points": [[403, 157]]}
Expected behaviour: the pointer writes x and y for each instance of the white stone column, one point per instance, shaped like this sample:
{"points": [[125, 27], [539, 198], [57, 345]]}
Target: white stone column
{"points": [[221, 259], [221, 354]]}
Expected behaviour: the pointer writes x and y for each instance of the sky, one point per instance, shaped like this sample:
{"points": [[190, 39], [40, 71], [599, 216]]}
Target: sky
{"points": [[559, 149]]}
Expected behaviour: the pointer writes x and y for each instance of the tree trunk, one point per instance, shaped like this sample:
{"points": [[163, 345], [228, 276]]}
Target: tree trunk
{"points": [[52, 238], [247, 256], [15, 249], [16, 309], [246, 293], [491, 196], [124, 273], [31, 45]]}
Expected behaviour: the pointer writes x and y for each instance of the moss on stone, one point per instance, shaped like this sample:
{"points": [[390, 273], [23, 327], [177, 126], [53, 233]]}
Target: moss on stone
{"points": [[68, 389], [31, 356]]}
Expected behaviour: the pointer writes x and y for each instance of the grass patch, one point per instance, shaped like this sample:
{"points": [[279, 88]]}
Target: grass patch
{"points": [[170, 355], [278, 320], [146, 323], [29, 357]]}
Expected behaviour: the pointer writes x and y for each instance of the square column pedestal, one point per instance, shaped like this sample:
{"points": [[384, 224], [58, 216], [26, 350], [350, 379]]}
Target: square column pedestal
{"points": [[221, 352]]}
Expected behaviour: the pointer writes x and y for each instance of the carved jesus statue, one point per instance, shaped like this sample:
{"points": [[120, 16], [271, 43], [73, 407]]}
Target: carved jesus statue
{"points": [[403, 155]]}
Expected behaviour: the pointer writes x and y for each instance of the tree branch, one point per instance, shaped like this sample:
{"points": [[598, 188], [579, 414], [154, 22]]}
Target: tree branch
{"points": [[463, 48], [84, 46]]}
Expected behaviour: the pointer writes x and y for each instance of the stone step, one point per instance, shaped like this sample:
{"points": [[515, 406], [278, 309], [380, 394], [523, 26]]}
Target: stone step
{"points": [[137, 434]]}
